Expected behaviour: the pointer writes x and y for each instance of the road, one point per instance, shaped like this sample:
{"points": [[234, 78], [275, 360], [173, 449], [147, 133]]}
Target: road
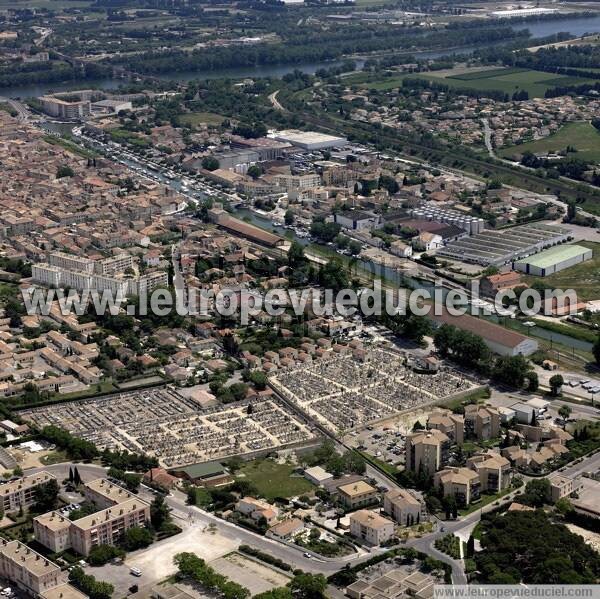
{"points": [[487, 137], [275, 102]]}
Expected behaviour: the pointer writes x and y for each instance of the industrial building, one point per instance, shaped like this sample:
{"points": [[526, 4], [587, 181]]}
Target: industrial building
{"points": [[522, 12], [500, 340], [498, 247], [309, 140], [553, 260], [470, 224]]}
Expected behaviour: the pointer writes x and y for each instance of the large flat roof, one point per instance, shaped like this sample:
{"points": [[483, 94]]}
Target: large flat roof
{"points": [[554, 255]]}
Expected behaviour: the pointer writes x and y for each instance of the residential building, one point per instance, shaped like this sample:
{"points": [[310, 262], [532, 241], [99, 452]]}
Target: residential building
{"points": [[119, 510], [402, 507], [452, 425], [482, 422], [285, 530], [257, 509], [563, 486], [357, 494], [461, 483], [17, 494], [371, 527], [495, 473], [427, 451]]}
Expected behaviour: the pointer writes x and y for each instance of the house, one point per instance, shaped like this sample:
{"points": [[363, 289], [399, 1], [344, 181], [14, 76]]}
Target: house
{"points": [[427, 241], [159, 476], [317, 475], [257, 509], [401, 249], [371, 527], [494, 284], [563, 486], [286, 529]]}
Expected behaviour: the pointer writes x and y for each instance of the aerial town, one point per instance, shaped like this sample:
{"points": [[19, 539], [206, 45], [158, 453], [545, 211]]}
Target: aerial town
{"points": [[298, 300]]}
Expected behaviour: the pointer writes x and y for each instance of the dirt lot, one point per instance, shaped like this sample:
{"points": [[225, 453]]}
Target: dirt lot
{"points": [[257, 578]]}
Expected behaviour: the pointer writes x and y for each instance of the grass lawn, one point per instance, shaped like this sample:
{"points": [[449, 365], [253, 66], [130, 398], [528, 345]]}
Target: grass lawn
{"points": [[504, 80], [198, 118], [54, 457], [485, 500], [70, 146], [582, 136], [273, 480], [584, 278]]}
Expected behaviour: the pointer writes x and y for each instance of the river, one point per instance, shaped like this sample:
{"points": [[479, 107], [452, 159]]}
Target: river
{"points": [[574, 26]]}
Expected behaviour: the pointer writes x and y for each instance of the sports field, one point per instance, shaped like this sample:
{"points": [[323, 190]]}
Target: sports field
{"points": [[582, 136]]}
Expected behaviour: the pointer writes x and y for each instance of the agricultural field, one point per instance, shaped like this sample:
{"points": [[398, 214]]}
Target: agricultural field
{"points": [[507, 80], [582, 136], [584, 278], [273, 480]]}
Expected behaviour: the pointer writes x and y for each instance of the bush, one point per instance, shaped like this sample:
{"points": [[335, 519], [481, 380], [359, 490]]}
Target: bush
{"points": [[102, 554]]}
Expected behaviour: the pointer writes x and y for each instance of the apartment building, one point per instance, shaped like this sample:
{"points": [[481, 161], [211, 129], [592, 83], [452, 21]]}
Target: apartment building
{"points": [[108, 526], [482, 422], [71, 262], [357, 494], [290, 182], [20, 493], [371, 527], [119, 510], [427, 451], [115, 265], [402, 507], [64, 109], [563, 486], [461, 483], [494, 471], [28, 570], [452, 425]]}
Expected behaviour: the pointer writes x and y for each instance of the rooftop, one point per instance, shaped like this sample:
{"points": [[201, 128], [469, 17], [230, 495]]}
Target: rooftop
{"points": [[558, 253]]}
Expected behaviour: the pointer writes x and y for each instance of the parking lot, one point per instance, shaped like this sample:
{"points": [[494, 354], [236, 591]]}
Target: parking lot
{"points": [[344, 393], [163, 423]]}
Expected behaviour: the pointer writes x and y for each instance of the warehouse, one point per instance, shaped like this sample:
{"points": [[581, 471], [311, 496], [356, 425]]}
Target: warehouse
{"points": [[309, 140], [553, 260]]}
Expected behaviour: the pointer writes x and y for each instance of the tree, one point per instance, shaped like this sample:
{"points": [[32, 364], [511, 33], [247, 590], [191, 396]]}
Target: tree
{"points": [[137, 537], [289, 217], [537, 492], [46, 496], [89, 585], [471, 546], [210, 163], [159, 512], [64, 171], [596, 350], [255, 171], [564, 412], [102, 554], [556, 383], [308, 586], [533, 382]]}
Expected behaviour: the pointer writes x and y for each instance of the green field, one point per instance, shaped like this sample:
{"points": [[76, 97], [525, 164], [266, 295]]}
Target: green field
{"points": [[506, 80], [584, 278], [197, 118], [273, 480], [582, 136]]}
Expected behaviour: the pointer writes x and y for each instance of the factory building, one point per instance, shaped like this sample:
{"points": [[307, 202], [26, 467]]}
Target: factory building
{"points": [[553, 260], [471, 224]]}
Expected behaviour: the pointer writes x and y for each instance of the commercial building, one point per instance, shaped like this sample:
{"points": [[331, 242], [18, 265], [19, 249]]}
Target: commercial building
{"points": [[371, 527], [427, 451], [309, 140], [356, 220], [210, 474], [553, 260], [119, 510], [20, 493], [402, 507], [357, 494], [461, 483], [111, 106], [317, 475]]}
